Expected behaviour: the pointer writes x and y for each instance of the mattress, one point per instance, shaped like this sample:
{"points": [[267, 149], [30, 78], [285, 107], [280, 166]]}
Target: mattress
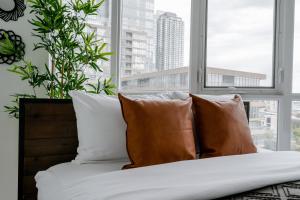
{"points": [[50, 183]]}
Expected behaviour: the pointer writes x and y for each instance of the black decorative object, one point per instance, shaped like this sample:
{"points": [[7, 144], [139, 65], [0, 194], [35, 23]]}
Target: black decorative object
{"points": [[19, 47], [15, 13]]}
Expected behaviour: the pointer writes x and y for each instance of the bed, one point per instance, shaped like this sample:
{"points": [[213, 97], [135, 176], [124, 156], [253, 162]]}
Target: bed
{"points": [[197, 179], [48, 145]]}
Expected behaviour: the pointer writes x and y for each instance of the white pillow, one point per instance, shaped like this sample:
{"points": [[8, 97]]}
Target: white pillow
{"points": [[101, 127]]}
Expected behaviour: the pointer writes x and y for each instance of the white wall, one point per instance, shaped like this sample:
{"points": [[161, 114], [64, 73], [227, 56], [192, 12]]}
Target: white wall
{"points": [[9, 84]]}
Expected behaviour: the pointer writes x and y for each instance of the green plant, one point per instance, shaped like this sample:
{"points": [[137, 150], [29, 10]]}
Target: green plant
{"points": [[62, 31]]}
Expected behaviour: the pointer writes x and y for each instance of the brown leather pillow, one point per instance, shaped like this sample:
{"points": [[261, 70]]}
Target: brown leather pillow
{"points": [[222, 127], [158, 131]]}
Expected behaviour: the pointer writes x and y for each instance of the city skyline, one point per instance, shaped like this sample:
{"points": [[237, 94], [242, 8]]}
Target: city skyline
{"points": [[138, 53], [140, 41], [183, 11]]}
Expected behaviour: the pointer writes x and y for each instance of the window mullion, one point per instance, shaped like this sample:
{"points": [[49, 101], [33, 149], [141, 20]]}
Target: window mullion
{"points": [[285, 66], [116, 23], [284, 124], [197, 44]]}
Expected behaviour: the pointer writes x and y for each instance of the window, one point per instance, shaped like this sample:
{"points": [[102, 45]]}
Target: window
{"points": [[237, 46], [240, 43], [155, 40]]}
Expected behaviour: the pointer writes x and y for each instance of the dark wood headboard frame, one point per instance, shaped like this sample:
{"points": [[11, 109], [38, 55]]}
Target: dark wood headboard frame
{"points": [[47, 136]]}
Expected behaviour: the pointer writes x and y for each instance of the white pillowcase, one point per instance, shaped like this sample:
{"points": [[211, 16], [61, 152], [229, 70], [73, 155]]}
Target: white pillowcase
{"points": [[101, 127]]}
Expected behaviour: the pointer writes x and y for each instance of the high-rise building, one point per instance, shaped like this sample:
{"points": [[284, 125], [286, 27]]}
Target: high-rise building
{"points": [[137, 39], [170, 41], [138, 33]]}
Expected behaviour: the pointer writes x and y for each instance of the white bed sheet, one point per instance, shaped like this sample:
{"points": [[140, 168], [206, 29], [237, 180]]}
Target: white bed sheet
{"points": [[50, 183], [201, 179]]}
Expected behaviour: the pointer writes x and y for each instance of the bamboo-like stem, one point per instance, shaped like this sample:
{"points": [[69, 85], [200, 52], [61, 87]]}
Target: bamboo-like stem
{"points": [[52, 82], [62, 81], [34, 92]]}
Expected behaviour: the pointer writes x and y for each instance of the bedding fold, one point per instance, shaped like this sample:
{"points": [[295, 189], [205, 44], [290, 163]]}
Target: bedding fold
{"points": [[209, 178]]}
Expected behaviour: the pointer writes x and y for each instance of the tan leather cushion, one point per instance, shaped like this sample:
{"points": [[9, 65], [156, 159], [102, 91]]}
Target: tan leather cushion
{"points": [[158, 131], [222, 127]]}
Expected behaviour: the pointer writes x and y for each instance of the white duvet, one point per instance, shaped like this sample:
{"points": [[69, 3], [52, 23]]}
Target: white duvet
{"points": [[196, 179]]}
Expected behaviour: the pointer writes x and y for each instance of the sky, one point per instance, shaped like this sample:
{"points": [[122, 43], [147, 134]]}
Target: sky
{"points": [[240, 36], [240, 33], [296, 70]]}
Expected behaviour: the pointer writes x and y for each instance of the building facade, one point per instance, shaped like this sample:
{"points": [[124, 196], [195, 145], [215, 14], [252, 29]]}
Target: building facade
{"points": [[178, 79], [138, 43], [170, 41], [138, 37]]}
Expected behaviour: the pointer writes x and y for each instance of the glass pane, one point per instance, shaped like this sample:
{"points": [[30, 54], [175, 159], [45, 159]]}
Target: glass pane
{"points": [[263, 123], [101, 25], [240, 43], [295, 140], [155, 45], [296, 70]]}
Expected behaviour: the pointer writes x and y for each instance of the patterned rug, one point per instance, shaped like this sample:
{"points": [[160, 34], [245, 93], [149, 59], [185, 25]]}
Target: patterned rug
{"points": [[284, 191]]}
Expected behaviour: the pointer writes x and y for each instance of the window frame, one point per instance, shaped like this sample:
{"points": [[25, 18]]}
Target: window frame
{"points": [[274, 60], [282, 62], [274, 89]]}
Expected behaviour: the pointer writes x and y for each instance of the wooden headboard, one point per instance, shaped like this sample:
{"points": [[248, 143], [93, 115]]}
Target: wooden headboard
{"points": [[47, 136]]}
